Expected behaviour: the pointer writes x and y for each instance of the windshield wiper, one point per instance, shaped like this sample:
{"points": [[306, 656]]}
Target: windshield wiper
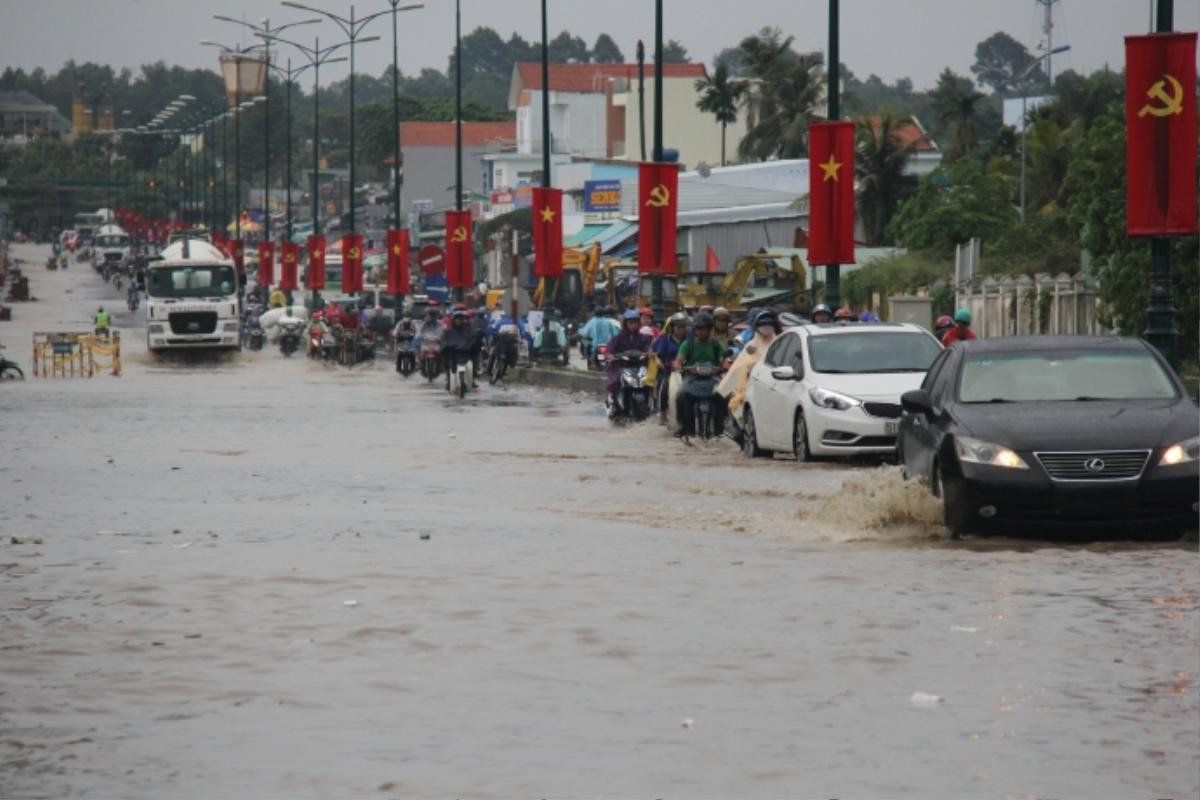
{"points": [[1084, 398]]}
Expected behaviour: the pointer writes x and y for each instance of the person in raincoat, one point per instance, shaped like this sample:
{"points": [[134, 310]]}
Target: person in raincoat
{"points": [[733, 385]]}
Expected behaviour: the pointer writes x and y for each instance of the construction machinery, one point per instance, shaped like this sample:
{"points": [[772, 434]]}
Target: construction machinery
{"points": [[578, 281], [761, 279]]}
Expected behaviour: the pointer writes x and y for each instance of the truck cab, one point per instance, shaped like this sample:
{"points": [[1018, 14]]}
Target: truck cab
{"points": [[112, 246], [192, 299]]}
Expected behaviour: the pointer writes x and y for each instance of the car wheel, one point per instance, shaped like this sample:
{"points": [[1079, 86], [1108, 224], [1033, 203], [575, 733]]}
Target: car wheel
{"points": [[955, 515], [800, 440], [750, 436]]}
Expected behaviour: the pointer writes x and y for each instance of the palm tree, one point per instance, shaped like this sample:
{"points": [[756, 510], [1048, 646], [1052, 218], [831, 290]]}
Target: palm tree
{"points": [[788, 90], [1049, 148], [721, 96], [961, 113], [879, 161]]}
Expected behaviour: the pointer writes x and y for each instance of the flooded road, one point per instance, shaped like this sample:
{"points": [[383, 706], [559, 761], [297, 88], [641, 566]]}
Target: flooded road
{"points": [[262, 577]]}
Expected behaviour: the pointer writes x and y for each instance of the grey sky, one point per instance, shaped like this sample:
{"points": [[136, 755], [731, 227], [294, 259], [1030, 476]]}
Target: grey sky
{"points": [[892, 38]]}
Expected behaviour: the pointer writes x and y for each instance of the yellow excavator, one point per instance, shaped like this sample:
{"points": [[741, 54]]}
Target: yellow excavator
{"points": [[760, 279], [577, 282]]}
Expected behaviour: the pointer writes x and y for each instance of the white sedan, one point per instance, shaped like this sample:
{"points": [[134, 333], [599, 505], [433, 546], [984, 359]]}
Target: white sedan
{"points": [[834, 390]]}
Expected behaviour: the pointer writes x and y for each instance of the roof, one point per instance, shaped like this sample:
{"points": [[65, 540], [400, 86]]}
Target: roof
{"points": [[590, 77], [1022, 344], [22, 100], [910, 132], [442, 134]]}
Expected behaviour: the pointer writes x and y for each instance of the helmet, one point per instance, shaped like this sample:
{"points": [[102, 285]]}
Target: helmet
{"points": [[647, 312], [766, 318], [752, 316], [843, 313], [822, 309], [678, 318], [868, 316], [944, 321], [460, 306], [962, 315], [703, 320], [632, 313], [705, 310], [459, 314], [721, 313], [470, 312]]}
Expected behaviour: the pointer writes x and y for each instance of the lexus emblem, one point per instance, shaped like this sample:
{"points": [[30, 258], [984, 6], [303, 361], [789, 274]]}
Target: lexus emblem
{"points": [[1094, 465]]}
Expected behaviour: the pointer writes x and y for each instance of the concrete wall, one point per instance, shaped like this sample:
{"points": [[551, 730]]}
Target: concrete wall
{"points": [[429, 174], [578, 124], [732, 240]]}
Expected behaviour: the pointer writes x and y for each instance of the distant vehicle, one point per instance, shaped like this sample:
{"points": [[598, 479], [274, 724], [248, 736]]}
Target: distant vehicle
{"points": [[112, 246], [762, 279], [834, 390], [1054, 429], [192, 299]]}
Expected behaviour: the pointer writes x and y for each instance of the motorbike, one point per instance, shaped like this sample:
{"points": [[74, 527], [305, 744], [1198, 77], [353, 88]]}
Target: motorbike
{"points": [[321, 344], [431, 356], [701, 387], [9, 371], [406, 356], [255, 335], [133, 297], [461, 376], [503, 353], [52, 263], [600, 358], [289, 337], [117, 280], [632, 400]]}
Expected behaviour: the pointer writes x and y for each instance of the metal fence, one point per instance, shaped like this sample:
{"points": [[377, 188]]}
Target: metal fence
{"points": [[1043, 304]]}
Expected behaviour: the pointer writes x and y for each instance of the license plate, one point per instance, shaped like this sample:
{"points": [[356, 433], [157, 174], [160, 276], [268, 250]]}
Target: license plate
{"points": [[890, 428]]}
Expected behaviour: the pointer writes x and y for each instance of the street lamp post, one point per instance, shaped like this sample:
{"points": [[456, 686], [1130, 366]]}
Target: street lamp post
{"points": [[290, 75], [1024, 112], [244, 73], [396, 8], [656, 280], [549, 350], [353, 29]]}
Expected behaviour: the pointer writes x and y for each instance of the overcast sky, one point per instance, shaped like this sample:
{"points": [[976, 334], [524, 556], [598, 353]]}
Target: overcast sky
{"points": [[892, 38]]}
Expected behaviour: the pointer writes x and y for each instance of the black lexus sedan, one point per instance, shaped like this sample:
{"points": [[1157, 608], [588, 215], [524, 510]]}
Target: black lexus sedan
{"points": [[1023, 432]]}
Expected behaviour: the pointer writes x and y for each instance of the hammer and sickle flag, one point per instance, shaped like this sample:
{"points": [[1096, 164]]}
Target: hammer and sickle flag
{"points": [[398, 279], [266, 263], [315, 277], [831, 193], [547, 232], [658, 205], [352, 263], [1160, 134], [460, 252], [289, 267]]}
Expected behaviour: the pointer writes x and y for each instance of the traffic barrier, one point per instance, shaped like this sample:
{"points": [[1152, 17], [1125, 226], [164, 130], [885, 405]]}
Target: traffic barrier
{"points": [[66, 354]]}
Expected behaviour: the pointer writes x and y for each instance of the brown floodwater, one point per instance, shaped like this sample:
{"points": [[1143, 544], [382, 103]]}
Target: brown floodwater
{"points": [[263, 577]]}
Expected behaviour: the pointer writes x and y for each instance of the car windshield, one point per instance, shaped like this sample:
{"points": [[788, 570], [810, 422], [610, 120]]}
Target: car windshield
{"points": [[113, 241], [872, 352], [1061, 375], [209, 281]]}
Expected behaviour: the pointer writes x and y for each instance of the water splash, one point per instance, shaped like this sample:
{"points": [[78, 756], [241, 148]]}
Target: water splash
{"points": [[876, 505]]}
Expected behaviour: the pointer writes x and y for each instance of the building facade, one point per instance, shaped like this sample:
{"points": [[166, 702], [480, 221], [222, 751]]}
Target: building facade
{"points": [[427, 152]]}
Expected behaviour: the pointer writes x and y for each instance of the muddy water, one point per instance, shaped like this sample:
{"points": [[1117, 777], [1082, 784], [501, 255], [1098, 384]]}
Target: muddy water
{"points": [[263, 577]]}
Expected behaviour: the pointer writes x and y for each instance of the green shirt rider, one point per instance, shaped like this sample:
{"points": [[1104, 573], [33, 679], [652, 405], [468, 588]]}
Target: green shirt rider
{"points": [[102, 319]]}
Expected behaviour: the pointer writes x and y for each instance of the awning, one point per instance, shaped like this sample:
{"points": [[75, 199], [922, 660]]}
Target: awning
{"points": [[587, 235]]}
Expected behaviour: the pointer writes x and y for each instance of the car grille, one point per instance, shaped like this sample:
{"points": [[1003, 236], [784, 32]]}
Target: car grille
{"points": [[1107, 465], [885, 410], [194, 322]]}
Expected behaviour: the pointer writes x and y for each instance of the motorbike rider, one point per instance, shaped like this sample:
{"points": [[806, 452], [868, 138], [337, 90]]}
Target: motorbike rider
{"points": [[648, 320], [944, 323], [461, 341], [629, 339], [102, 321], [821, 314], [277, 299], [700, 349], [404, 331], [599, 329], [844, 316], [961, 332], [666, 348], [722, 320]]}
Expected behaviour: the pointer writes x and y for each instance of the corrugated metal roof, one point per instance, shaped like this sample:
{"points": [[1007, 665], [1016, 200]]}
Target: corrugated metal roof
{"points": [[587, 235]]}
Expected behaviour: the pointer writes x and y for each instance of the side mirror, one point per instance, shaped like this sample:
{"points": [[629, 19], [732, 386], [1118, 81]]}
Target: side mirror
{"points": [[917, 401], [783, 374]]}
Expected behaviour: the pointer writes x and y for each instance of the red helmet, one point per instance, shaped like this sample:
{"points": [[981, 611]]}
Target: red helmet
{"points": [[944, 321], [843, 313], [647, 312]]}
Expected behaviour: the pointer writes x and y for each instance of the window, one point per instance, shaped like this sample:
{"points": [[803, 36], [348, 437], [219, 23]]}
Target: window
{"points": [[1051, 376], [934, 371], [205, 281], [779, 350], [878, 352]]}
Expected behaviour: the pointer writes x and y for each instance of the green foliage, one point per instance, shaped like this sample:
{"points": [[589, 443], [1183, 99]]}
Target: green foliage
{"points": [[782, 102], [1045, 242], [674, 52], [879, 163], [721, 96], [1000, 60], [605, 51], [897, 274], [951, 205]]}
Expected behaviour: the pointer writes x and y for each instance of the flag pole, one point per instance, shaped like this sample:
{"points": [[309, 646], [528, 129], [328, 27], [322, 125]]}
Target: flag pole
{"points": [[833, 272], [1161, 329]]}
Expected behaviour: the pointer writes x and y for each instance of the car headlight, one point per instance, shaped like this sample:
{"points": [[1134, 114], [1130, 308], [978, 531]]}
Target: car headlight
{"points": [[156, 329], [975, 451], [1181, 452], [231, 326], [827, 399]]}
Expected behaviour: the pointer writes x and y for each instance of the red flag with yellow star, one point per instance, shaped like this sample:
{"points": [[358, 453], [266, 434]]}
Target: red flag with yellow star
{"points": [[352, 263], [1160, 134], [460, 252], [289, 265], [315, 277], [266, 263], [831, 192], [398, 281], [547, 232]]}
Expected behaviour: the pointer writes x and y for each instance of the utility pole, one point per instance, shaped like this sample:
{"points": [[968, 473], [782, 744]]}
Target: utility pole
{"points": [[833, 272], [656, 280], [1048, 30], [1161, 330], [550, 285]]}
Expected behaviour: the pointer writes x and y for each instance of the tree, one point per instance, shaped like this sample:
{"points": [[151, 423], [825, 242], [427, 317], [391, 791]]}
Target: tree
{"points": [[951, 205], [781, 104], [674, 53], [605, 51], [734, 60], [1048, 155], [1000, 60], [879, 161], [721, 96], [567, 49], [957, 104]]}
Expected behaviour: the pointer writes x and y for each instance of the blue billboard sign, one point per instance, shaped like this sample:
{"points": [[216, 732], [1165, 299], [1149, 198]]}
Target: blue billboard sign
{"points": [[601, 196]]}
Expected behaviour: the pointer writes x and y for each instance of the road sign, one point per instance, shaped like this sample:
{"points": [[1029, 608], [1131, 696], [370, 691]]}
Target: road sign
{"points": [[433, 260]]}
